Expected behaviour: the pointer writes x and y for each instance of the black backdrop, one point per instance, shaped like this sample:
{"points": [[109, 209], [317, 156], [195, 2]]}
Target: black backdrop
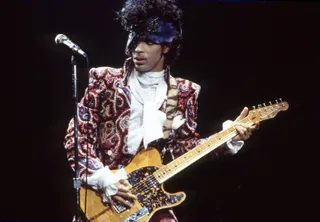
{"points": [[242, 54]]}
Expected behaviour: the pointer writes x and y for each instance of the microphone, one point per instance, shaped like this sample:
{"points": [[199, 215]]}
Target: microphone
{"points": [[61, 38]]}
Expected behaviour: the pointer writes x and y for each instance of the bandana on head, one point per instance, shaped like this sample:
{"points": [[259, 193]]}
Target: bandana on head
{"points": [[156, 30]]}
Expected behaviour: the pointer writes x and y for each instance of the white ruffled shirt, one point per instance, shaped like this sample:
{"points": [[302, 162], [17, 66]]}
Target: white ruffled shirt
{"points": [[149, 90]]}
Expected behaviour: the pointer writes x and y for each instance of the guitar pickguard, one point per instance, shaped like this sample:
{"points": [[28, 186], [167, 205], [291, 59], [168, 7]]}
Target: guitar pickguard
{"points": [[148, 190]]}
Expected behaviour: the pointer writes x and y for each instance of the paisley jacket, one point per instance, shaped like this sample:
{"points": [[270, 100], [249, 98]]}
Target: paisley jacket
{"points": [[103, 115]]}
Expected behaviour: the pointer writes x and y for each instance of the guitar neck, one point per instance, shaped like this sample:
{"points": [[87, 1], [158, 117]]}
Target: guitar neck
{"points": [[182, 162]]}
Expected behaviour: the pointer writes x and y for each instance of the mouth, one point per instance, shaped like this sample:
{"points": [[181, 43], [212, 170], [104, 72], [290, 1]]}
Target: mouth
{"points": [[139, 60]]}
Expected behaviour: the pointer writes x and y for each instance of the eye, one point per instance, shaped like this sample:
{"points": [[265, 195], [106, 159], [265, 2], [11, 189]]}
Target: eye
{"points": [[149, 42]]}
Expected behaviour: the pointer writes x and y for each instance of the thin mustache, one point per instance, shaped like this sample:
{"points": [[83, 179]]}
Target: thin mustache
{"points": [[139, 57]]}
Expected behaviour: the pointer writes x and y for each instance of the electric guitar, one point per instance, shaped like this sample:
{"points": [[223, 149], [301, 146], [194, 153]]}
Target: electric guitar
{"points": [[146, 174]]}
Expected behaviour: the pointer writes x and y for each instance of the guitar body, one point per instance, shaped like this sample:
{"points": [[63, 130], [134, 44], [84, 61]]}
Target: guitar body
{"points": [[151, 195]]}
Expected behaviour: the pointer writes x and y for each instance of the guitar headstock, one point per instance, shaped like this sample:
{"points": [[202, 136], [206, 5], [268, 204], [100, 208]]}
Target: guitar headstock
{"points": [[264, 112]]}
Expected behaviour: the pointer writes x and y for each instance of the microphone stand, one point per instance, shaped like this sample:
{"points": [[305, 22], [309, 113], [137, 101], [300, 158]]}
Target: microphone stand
{"points": [[76, 180]]}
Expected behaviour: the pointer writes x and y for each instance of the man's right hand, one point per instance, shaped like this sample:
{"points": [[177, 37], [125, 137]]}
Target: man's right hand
{"points": [[123, 194]]}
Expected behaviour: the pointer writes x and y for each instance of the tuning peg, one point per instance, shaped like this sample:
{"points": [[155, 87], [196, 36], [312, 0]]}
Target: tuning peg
{"points": [[271, 106], [259, 106], [264, 104], [276, 105], [282, 103], [253, 107]]}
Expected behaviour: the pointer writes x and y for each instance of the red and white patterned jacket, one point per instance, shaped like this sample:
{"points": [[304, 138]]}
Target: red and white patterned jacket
{"points": [[104, 113]]}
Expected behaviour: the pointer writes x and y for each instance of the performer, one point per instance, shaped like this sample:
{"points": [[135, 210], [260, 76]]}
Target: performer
{"points": [[125, 110]]}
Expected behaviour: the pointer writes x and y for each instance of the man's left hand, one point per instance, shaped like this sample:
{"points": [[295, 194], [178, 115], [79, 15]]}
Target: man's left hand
{"points": [[244, 131]]}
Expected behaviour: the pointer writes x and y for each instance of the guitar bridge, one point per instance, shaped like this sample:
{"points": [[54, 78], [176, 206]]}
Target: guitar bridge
{"points": [[119, 208], [137, 215]]}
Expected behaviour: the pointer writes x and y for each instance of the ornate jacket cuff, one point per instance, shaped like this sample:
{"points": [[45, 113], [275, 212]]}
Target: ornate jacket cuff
{"points": [[104, 180]]}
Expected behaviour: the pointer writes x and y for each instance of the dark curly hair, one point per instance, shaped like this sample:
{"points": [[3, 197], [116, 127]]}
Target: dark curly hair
{"points": [[135, 13]]}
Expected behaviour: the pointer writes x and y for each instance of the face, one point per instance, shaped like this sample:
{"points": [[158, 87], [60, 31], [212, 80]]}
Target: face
{"points": [[148, 56]]}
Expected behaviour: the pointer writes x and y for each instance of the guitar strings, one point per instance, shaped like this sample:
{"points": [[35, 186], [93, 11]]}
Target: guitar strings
{"points": [[141, 186], [141, 183], [151, 181]]}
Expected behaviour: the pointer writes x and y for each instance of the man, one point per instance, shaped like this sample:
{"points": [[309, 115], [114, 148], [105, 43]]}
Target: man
{"points": [[125, 110]]}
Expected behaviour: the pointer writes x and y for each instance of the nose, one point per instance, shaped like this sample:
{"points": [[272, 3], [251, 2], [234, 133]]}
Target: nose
{"points": [[139, 48]]}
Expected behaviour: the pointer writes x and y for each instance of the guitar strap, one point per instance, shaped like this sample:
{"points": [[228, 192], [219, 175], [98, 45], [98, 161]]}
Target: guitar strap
{"points": [[171, 108]]}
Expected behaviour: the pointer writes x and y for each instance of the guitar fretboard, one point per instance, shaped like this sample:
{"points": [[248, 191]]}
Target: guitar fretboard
{"points": [[196, 153]]}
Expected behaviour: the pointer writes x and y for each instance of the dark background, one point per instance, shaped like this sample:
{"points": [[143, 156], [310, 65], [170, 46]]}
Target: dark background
{"points": [[242, 54]]}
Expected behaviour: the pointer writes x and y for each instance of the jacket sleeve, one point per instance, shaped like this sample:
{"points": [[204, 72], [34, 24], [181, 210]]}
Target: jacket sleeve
{"points": [[186, 136], [88, 119]]}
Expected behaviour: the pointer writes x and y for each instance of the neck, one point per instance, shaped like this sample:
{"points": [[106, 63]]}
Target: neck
{"points": [[185, 160], [151, 73]]}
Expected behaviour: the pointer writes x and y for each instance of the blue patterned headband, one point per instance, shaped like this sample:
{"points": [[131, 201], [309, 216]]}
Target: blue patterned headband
{"points": [[157, 31]]}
